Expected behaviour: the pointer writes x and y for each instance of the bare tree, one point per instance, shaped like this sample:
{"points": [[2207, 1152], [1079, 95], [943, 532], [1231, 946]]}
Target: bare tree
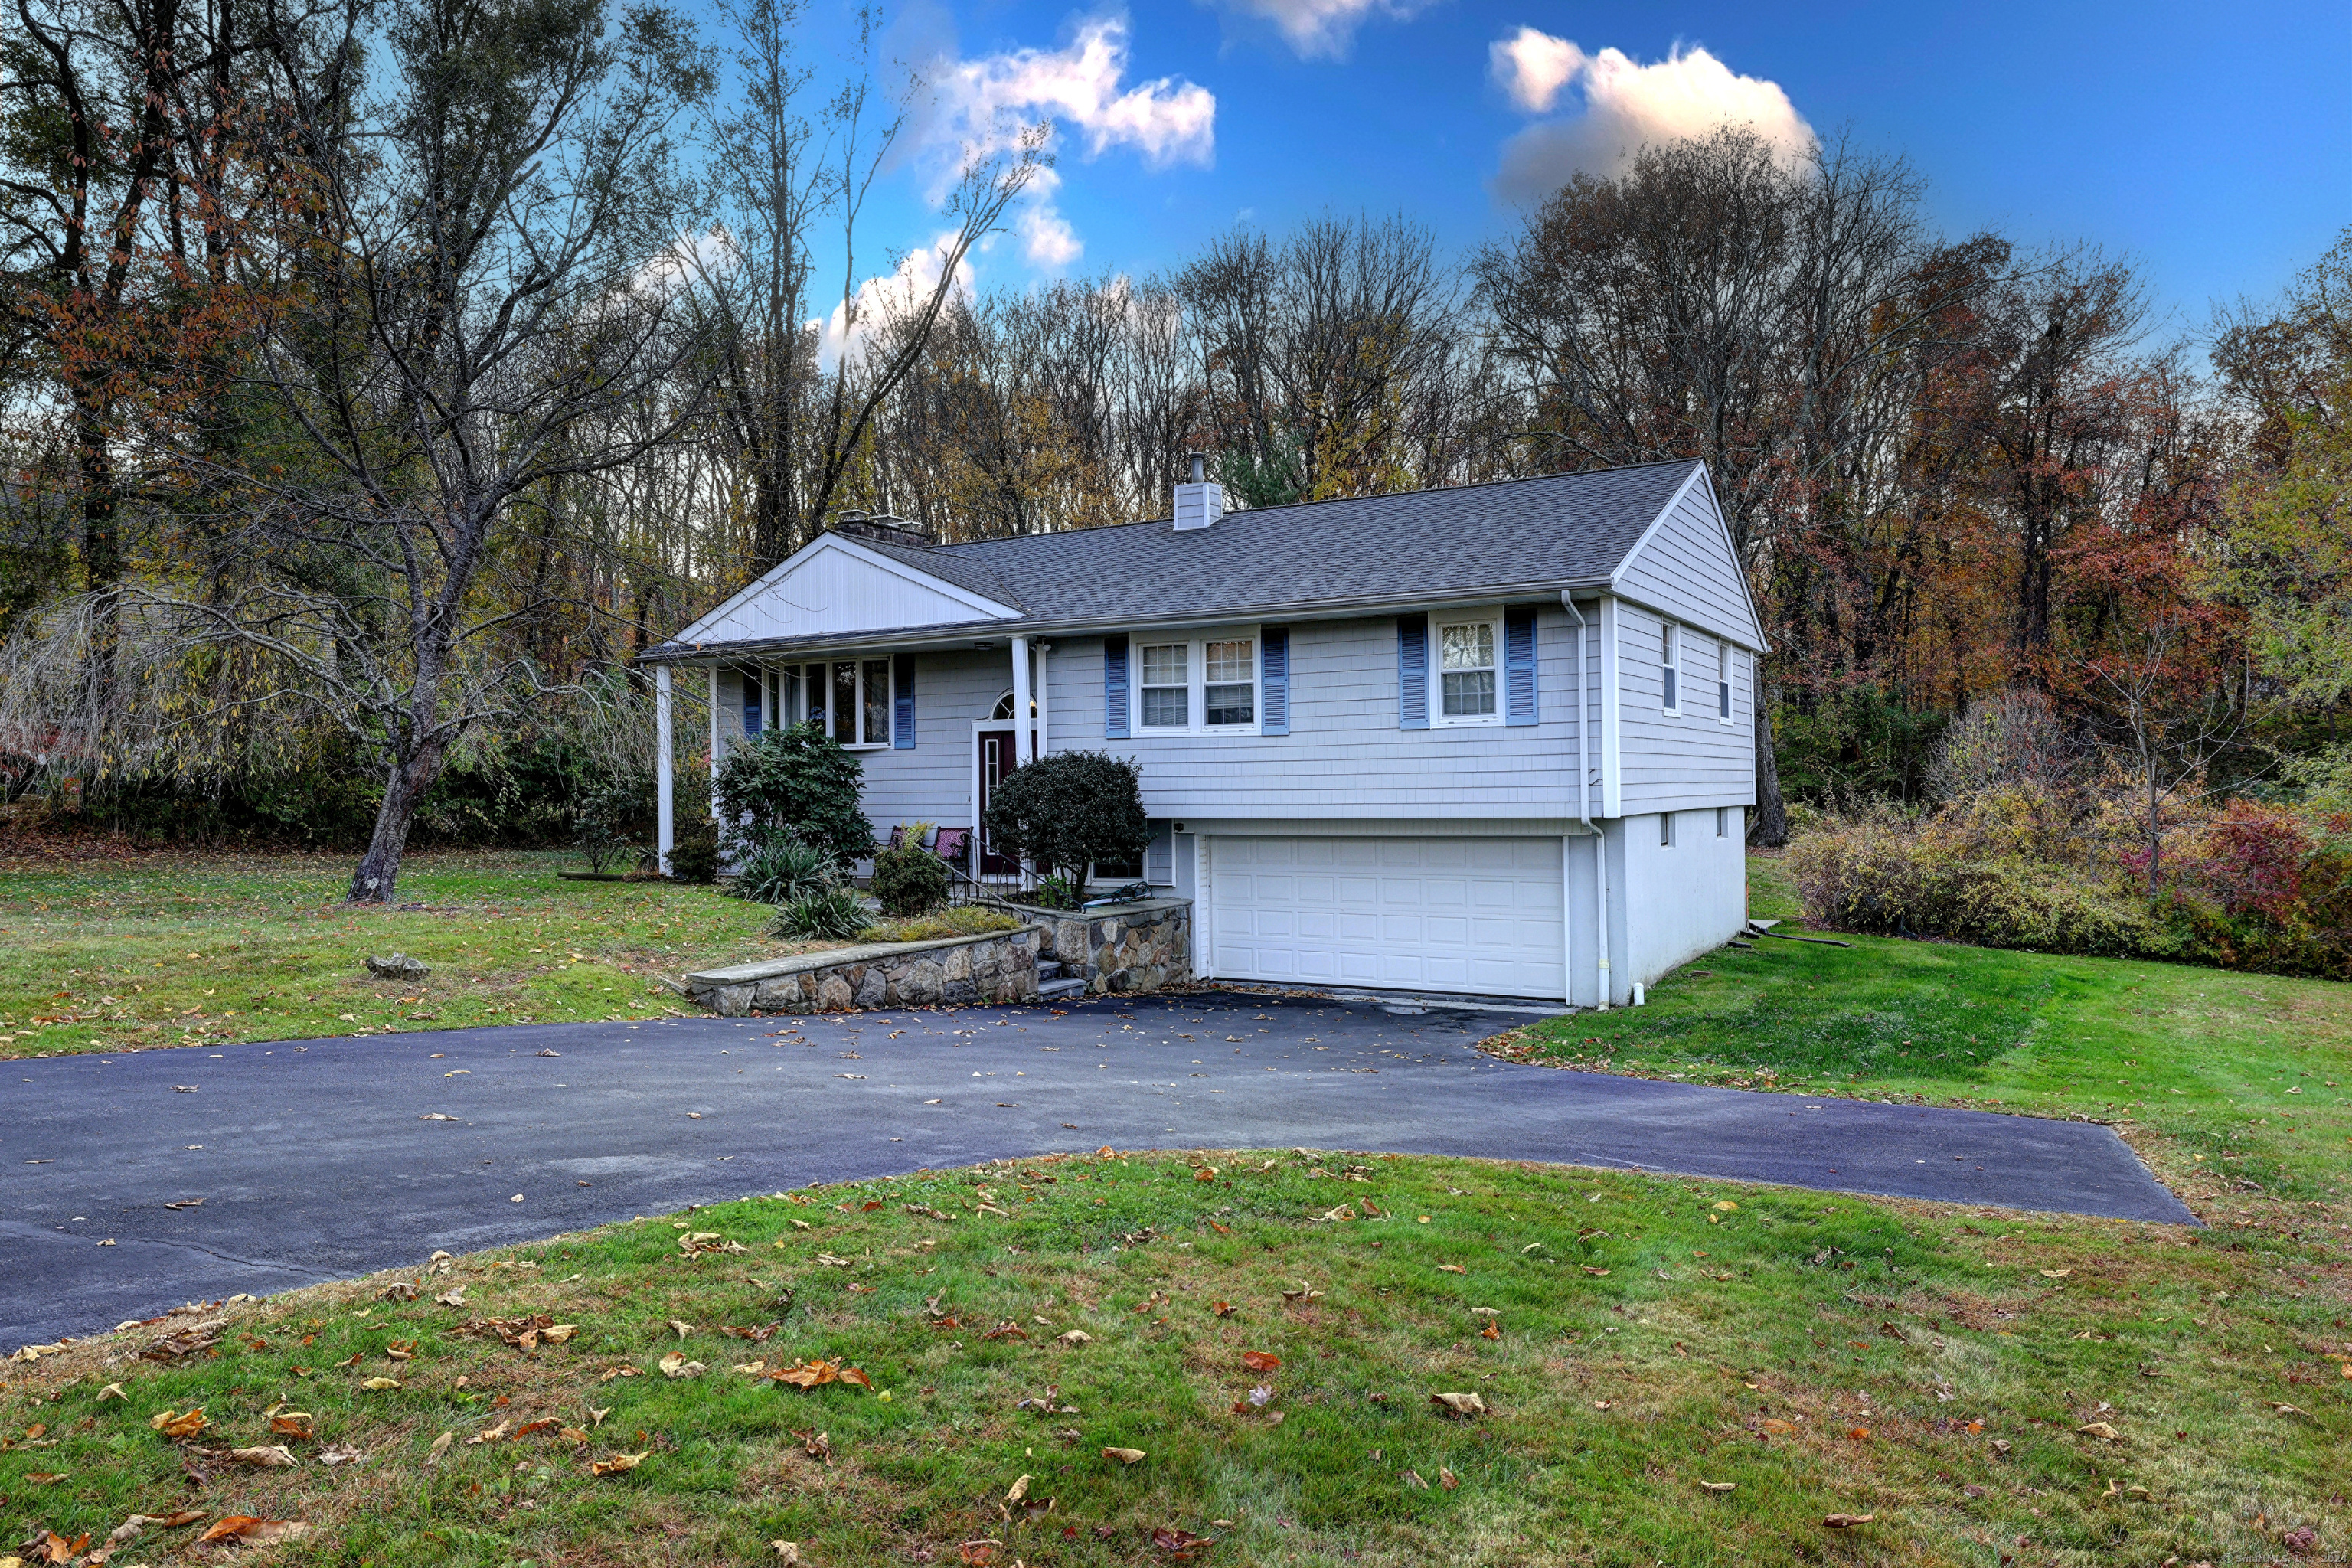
{"points": [[482, 283]]}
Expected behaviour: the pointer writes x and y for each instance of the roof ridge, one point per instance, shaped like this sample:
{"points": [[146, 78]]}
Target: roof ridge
{"points": [[1327, 501]]}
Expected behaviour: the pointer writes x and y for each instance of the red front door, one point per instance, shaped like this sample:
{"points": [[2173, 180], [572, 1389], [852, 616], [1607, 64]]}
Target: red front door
{"points": [[995, 761]]}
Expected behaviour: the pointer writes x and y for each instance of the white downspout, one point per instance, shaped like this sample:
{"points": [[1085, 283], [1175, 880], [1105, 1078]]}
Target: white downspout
{"points": [[665, 788], [1585, 813], [1025, 745]]}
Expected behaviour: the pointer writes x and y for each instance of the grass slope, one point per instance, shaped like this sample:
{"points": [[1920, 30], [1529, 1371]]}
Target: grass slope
{"points": [[168, 949], [1638, 1342], [2225, 1082]]}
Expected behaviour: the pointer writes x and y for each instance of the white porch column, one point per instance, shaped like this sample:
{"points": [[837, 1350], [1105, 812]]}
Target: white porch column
{"points": [[1044, 686], [664, 789], [1024, 738], [714, 742]]}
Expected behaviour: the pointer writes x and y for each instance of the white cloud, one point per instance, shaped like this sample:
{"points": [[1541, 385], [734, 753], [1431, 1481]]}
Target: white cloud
{"points": [[879, 299], [983, 103], [1532, 67], [1626, 107], [1323, 29], [1046, 238]]}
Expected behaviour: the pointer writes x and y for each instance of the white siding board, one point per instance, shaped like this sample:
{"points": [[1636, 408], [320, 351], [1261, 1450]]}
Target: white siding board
{"points": [[1685, 567], [833, 588], [1690, 760]]}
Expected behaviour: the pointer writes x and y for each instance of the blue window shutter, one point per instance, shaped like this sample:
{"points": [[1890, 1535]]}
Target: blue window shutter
{"points": [[902, 702], [1274, 680], [1412, 672], [1520, 662], [1114, 687]]}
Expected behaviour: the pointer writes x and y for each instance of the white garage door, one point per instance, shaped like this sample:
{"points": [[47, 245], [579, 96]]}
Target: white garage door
{"points": [[1475, 915]]}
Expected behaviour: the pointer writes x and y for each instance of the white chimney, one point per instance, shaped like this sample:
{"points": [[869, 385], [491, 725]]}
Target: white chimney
{"points": [[1200, 503]]}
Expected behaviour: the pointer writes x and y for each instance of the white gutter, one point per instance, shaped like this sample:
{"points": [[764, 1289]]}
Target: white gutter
{"points": [[1585, 813]]}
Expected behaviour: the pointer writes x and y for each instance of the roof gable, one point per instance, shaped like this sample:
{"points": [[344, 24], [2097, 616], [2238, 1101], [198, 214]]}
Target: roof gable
{"points": [[834, 586], [1684, 565]]}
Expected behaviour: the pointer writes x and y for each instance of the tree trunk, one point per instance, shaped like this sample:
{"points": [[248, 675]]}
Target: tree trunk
{"points": [[377, 878], [1770, 828]]}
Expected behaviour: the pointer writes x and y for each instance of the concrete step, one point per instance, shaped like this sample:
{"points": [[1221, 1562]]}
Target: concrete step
{"points": [[1069, 987], [1049, 969]]}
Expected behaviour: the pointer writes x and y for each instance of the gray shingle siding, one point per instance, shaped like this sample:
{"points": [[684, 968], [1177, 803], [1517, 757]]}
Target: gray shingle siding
{"points": [[1678, 762], [1685, 569]]}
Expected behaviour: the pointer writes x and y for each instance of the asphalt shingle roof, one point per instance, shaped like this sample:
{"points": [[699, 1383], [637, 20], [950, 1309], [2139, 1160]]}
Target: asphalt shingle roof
{"points": [[1557, 528]]}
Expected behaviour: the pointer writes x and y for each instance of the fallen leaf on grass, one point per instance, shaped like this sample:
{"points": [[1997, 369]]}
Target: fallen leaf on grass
{"points": [[1451, 1268], [453, 1296], [440, 1447], [1076, 1337], [276, 1457], [1493, 1330], [1460, 1403], [1178, 1543], [51, 1547], [2099, 1429], [1777, 1426], [619, 1464], [338, 1456], [497, 1434], [1590, 1270], [676, 1365], [1020, 1489], [977, 1553], [398, 1290], [1124, 1455], [1717, 1485], [817, 1374], [1447, 1478], [381, 1384], [2055, 1273], [1226, 1309], [753, 1368], [1412, 1478], [2285, 1409], [112, 1391], [179, 1425], [789, 1551], [1847, 1520], [246, 1528], [1260, 1360]]}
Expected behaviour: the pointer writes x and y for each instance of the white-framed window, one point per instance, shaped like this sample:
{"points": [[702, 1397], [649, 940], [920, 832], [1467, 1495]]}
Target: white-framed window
{"points": [[850, 696], [1665, 830], [1724, 654], [1670, 668], [1197, 685], [1468, 668]]}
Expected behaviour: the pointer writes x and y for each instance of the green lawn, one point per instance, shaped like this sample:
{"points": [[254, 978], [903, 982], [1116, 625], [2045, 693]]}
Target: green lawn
{"points": [[1954, 1375], [118, 953], [2224, 1081]]}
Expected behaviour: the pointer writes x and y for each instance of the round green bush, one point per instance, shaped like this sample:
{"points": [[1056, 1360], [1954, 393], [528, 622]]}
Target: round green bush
{"points": [[694, 858], [909, 880]]}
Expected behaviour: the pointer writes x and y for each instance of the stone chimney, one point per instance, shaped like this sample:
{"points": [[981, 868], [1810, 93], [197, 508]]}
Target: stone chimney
{"points": [[1200, 503]]}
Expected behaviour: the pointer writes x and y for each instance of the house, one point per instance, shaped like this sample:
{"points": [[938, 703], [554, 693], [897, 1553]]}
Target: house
{"points": [[1493, 740]]}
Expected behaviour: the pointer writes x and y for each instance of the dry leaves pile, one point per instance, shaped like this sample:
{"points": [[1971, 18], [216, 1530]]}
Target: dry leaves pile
{"points": [[817, 1374]]}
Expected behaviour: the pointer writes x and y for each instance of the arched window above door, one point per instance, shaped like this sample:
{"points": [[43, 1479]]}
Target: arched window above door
{"points": [[1003, 708]]}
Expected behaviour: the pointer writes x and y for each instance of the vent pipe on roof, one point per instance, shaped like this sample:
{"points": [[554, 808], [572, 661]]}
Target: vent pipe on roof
{"points": [[1200, 503]]}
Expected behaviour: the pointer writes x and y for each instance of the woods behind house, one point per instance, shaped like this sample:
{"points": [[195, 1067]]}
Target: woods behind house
{"points": [[380, 378]]}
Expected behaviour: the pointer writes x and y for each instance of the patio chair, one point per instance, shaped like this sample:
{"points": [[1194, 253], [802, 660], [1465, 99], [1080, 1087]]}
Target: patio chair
{"points": [[952, 845]]}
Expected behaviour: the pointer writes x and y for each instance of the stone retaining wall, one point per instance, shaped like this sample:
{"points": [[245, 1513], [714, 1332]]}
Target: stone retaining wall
{"points": [[998, 966], [1119, 948]]}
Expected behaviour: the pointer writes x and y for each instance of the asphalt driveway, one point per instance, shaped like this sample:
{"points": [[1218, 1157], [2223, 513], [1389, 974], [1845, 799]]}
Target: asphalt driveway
{"points": [[292, 1163]]}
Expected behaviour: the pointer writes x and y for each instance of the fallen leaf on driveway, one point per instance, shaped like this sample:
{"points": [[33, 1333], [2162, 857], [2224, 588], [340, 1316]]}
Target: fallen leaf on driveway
{"points": [[435, 1116]]}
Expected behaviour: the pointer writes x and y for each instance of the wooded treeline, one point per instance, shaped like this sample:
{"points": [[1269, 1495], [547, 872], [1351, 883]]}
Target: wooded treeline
{"points": [[382, 375]]}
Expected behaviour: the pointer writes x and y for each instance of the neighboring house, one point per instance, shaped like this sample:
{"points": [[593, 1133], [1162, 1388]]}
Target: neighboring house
{"points": [[1489, 740]]}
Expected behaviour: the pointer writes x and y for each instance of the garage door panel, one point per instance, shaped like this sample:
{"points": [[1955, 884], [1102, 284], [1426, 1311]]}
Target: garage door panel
{"points": [[1480, 915]]}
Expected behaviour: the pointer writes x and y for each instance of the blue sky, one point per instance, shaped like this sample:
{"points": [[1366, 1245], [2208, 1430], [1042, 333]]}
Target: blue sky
{"points": [[2214, 149]]}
